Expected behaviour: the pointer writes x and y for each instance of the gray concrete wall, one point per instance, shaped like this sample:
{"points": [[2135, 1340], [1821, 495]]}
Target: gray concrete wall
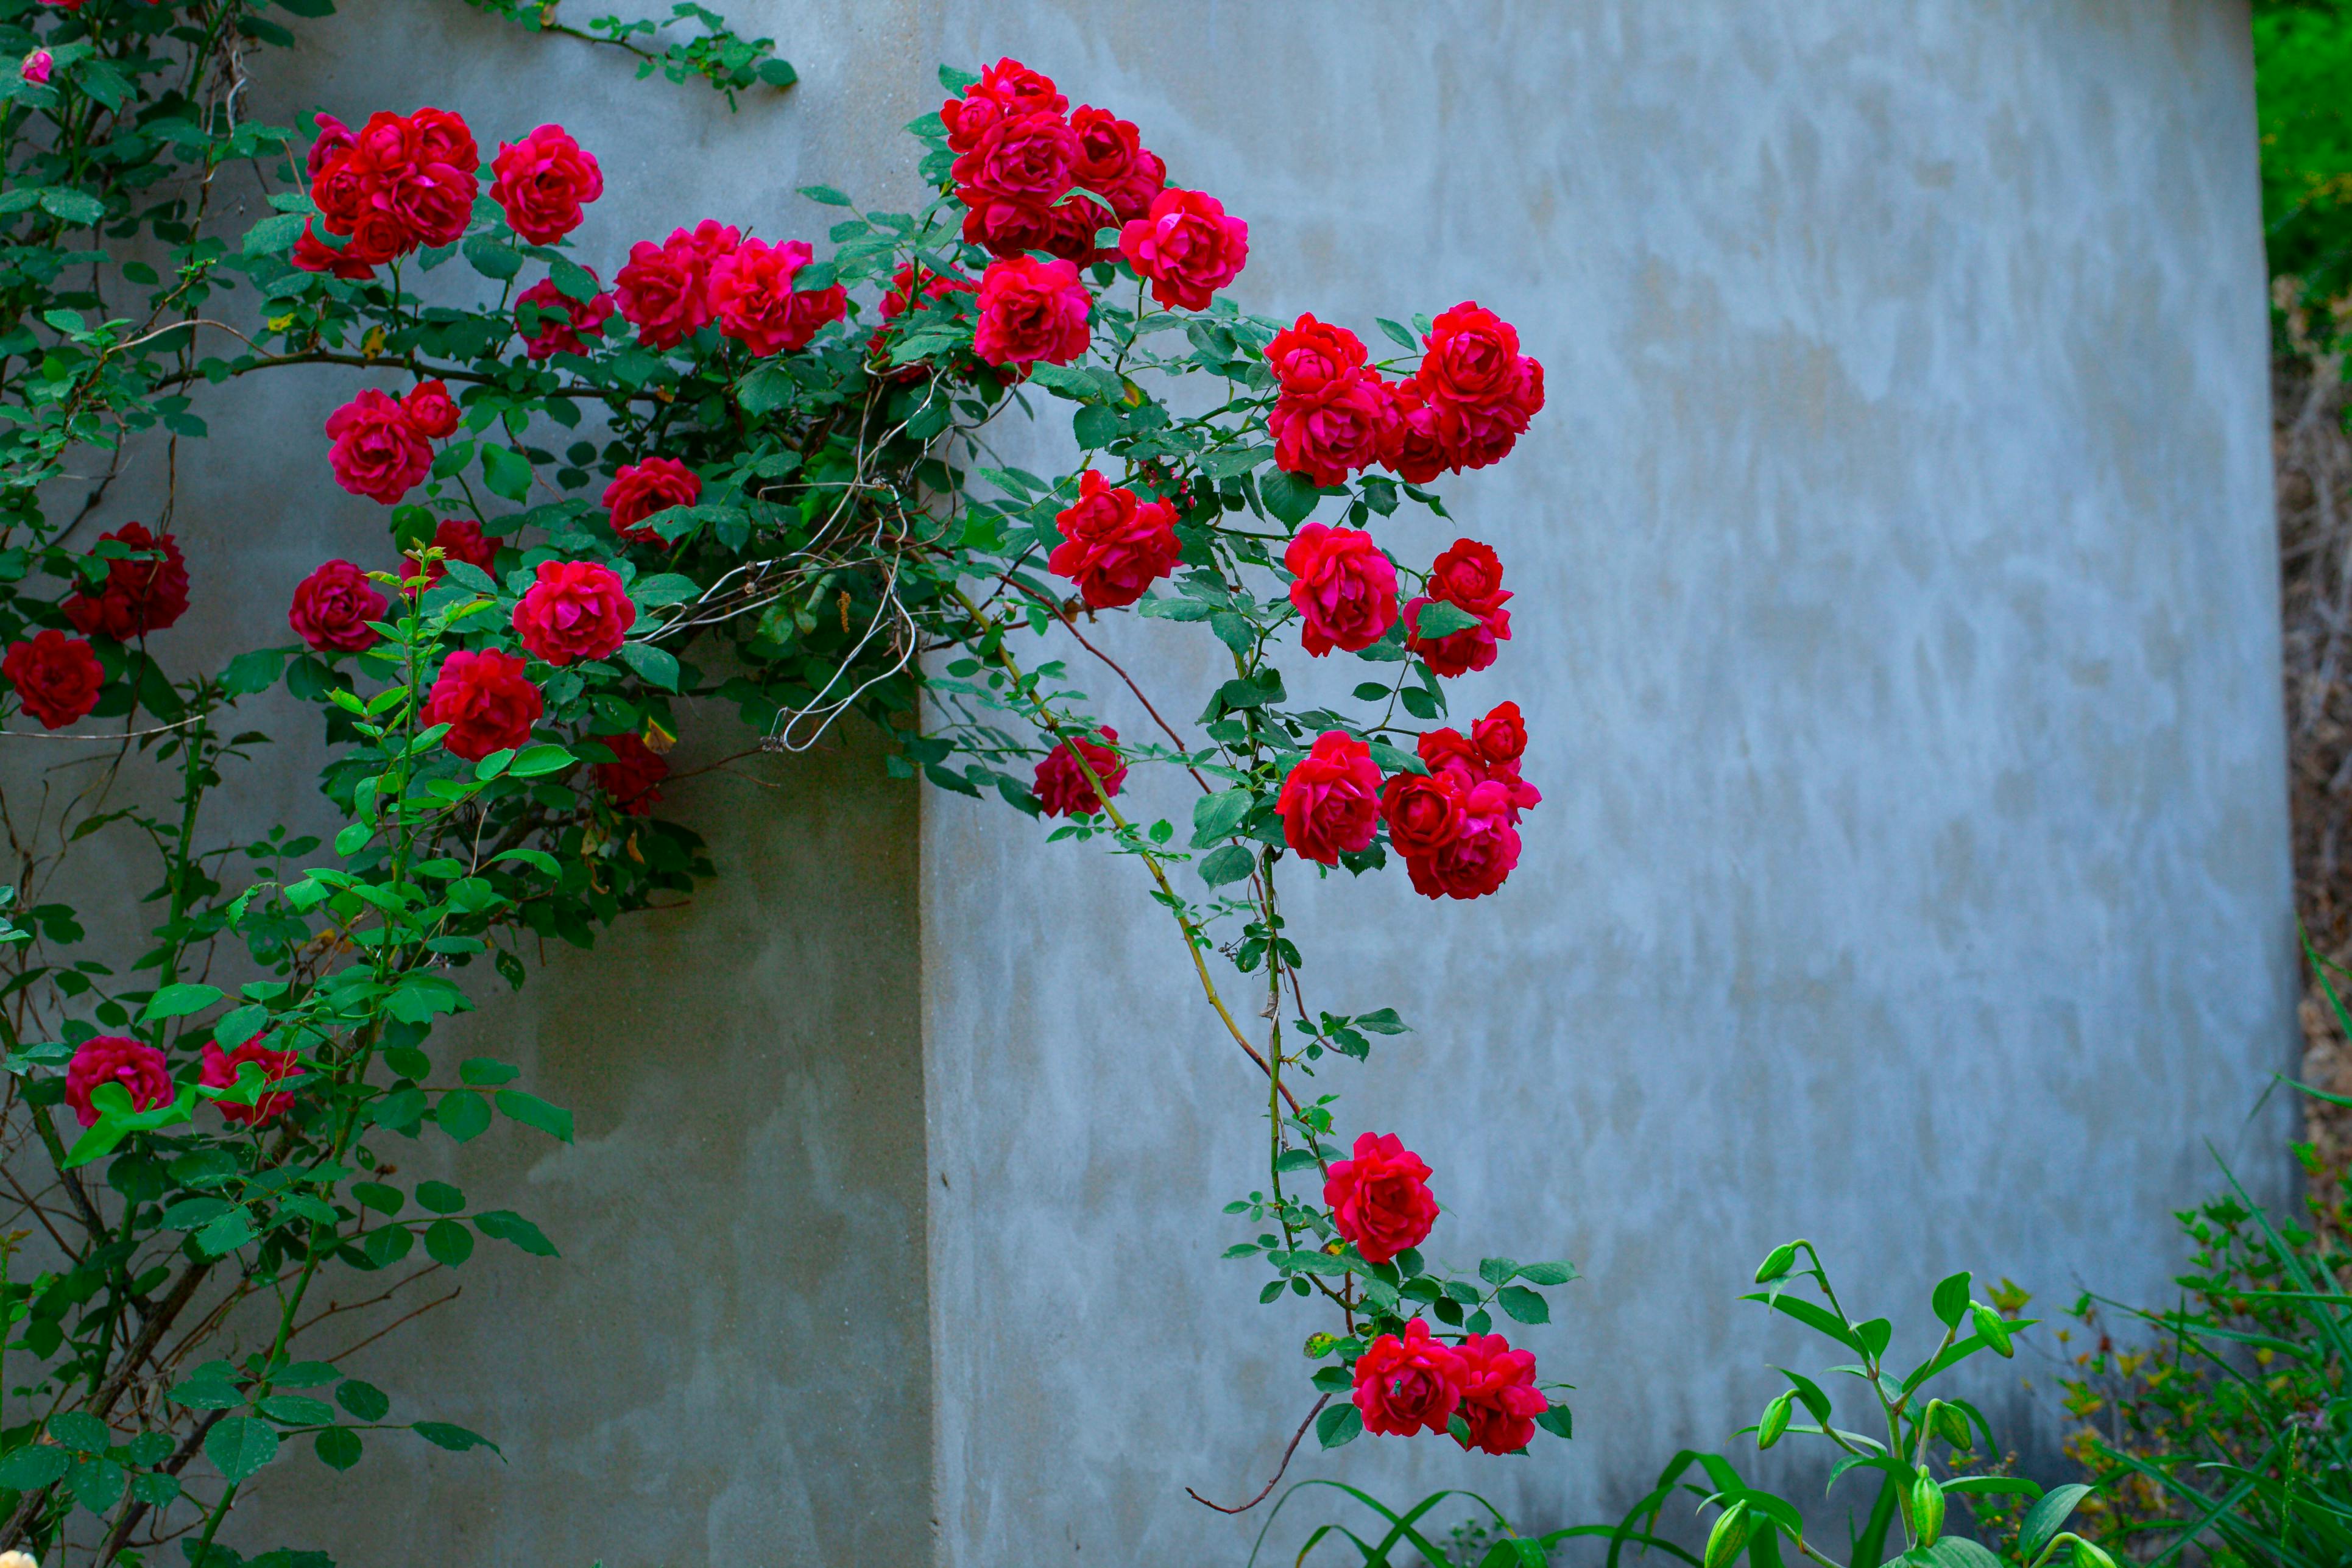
{"points": [[1897, 623]]}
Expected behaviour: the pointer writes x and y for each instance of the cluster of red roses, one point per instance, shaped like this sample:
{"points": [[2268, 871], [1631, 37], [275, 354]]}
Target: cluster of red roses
{"points": [[383, 444], [1381, 1202], [143, 1072], [1464, 407], [402, 181], [58, 678], [712, 274]]}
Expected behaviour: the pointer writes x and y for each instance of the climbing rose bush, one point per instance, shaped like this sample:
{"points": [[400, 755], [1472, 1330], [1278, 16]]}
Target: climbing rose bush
{"points": [[752, 470]]}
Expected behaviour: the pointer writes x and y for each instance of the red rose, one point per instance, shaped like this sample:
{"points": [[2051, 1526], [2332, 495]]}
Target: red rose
{"points": [[1005, 225], [486, 699], [1330, 799], [1026, 157], [1187, 247], [1423, 812], [378, 451], [332, 608], [220, 1071], [430, 410], [1470, 356], [57, 677], [1500, 1401], [1479, 857], [1346, 590], [904, 295], [752, 295], [333, 137], [1469, 576], [1460, 652], [434, 202], [1480, 434], [312, 254], [375, 240], [1502, 735], [1332, 434], [577, 609], [1410, 1384], [664, 291], [543, 182], [116, 1058], [441, 137], [1309, 357], [1112, 162], [1075, 222], [632, 778], [1113, 546], [1418, 445], [1450, 752], [640, 489], [460, 538], [145, 592], [1379, 1199], [1030, 310], [1005, 88], [1061, 787], [552, 322]]}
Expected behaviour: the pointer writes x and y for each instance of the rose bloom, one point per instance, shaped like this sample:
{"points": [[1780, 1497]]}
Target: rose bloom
{"points": [[36, 68], [1061, 787], [378, 451], [1032, 310], [1113, 162], [752, 295], [552, 322], [332, 607], [1023, 157], [1479, 857], [116, 1058], [1007, 225], [543, 182], [1346, 590], [333, 137], [1502, 735], [220, 1071], [1187, 247], [1309, 357], [632, 778], [1474, 647], [1418, 445], [1379, 1198], [1470, 577], [664, 291], [902, 298], [1479, 434], [1470, 356], [1113, 545], [459, 538], [312, 254], [577, 609], [1500, 1400], [486, 699], [143, 593], [1448, 750], [1337, 431], [430, 410], [57, 677], [1408, 1386], [1007, 88], [640, 489], [1074, 225], [1423, 812], [1330, 799]]}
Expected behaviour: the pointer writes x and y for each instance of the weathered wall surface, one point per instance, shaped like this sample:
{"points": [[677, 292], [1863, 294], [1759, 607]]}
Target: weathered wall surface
{"points": [[1896, 624]]}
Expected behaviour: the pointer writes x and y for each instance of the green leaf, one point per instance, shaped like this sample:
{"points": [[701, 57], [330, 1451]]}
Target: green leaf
{"points": [[80, 207], [490, 258], [1217, 817], [226, 1234], [1394, 760], [765, 387], [1287, 496], [1384, 1021], [462, 1114], [663, 588], [1438, 618], [298, 1410], [178, 1001], [505, 1224], [448, 1243], [533, 1112], [1546, 1273], [81, 1432], [253, 671], [1951, 1300], [240, 1445], [440, 1197], [442, 1434], [33, 1467], [338, 1448], [1959, 1552], [1524, 1305], [274, 235], [539, 859], [485, 1072], [826, 194], [1095, 427], [2045, 1518], [536, 761], [364, 1400], [656, 667], [1339, 1426], [507, 472], [1230, 863], [1397, 332], [1812, 1317]]}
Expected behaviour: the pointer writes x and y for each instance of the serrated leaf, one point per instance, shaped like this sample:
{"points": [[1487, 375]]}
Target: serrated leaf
{"points": [[1524, 1305], [462, 1114], [1438, 618], [35, 1466], [1230, 863], [656, 667], [240, 1445], [826, 194], [1339, 1426], [1287, 496], [81, 1432], [448, 1243], [505, 1224], [178, 1001], [442, 1434], [664, 588], [1217, 817], [338, 1448], [364, 1400], [507, 472], [533, 1112]]}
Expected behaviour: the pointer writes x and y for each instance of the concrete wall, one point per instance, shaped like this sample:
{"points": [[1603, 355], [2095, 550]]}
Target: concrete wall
{"points": [[1896, 624]]}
